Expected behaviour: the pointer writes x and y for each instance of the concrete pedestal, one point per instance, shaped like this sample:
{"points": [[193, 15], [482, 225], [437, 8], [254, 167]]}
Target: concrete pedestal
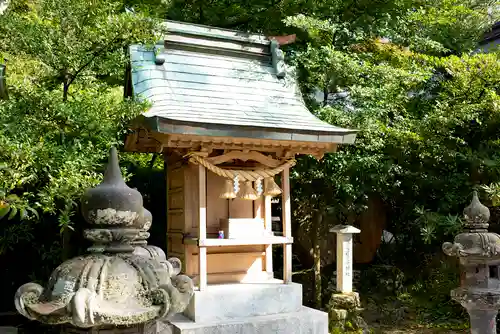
{"points": [[303, 321], [226, 302], [264, 308]]}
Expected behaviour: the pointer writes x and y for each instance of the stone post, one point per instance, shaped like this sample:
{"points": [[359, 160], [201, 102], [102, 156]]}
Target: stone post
{"points": [[344, 256], [345, 304], [479, 254]]}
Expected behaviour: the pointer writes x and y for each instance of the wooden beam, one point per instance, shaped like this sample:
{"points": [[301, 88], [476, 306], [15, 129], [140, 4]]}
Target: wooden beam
{"points": [[217, 44], [142, 141], [269, 228], [287, 225], [202, 227], [214, 242], [287, 154], [246, 241], [237, 277], [131, 141], [231, 143], [245, 156]]}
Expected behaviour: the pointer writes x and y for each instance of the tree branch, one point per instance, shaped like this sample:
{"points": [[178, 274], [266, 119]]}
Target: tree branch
{"points": [[92, 58]]}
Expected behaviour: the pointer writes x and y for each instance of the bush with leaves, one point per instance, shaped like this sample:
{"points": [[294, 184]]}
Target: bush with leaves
{"points": [[65, 64], [428, 114], [81, 40], [53, 147]]}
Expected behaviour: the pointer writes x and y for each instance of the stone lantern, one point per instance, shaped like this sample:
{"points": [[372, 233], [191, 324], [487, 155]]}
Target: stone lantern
{"points": [[479, 253], [122, 285]]}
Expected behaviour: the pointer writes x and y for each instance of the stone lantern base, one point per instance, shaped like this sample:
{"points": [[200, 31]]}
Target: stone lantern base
{"points": [[153, 327], [138, 329]]}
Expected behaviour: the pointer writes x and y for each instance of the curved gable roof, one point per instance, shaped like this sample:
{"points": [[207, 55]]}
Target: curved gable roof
{"points": [[224, 79]]}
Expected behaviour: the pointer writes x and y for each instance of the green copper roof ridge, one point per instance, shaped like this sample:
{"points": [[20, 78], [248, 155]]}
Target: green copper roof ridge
{"points": [[214, 32]]}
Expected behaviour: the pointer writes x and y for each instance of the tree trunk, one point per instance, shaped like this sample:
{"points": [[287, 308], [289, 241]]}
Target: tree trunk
{"points": [[66, 83], [315, 231], [325, 96], [317, 276]]}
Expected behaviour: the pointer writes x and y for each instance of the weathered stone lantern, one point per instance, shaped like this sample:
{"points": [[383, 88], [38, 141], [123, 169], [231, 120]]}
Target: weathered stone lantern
{"points": [[479, 253], [122, 285]]}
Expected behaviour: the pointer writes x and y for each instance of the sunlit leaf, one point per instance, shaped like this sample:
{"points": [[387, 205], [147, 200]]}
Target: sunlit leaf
{"points": [[13, 212], [23, 213], [34, 212], [3, 211]]}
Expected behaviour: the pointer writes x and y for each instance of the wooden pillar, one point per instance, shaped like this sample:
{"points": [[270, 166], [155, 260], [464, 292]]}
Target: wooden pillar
{"points": [[258, 206], [269, 228], [202, 227], [287, 225]]}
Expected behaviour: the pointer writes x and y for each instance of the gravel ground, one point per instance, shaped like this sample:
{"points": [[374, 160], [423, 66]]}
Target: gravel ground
{"points": [[417, 330]]}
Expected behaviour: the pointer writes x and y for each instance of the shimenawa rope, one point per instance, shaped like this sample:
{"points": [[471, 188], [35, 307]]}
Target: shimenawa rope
{"points": [[244, 175]]}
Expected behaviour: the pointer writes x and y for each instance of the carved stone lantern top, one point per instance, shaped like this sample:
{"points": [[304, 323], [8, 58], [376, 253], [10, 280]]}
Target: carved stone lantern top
{"points": [[476, 214], [113, 210], [475, 244], [122, 281]]}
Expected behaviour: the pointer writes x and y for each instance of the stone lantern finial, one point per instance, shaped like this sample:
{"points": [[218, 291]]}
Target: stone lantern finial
{"points": [[113, 175], [122, 282], [476, 214], [113, 210]]}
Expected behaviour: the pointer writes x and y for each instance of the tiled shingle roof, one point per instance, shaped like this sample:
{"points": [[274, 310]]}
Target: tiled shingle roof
{"points": [[204, 75]]}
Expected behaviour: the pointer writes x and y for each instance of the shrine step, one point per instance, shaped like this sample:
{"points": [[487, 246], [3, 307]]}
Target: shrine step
{"points": [[303, 321], [226, 302]]}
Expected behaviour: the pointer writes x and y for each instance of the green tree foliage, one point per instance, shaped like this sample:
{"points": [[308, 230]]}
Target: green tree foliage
{"points": [[428, 119], [401, 72], [65, 63], [72, 39], [255, 15]]}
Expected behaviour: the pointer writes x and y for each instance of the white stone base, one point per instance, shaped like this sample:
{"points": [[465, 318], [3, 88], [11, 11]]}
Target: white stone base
{"points": [[303, 321], [259, 308], [226, 302]]}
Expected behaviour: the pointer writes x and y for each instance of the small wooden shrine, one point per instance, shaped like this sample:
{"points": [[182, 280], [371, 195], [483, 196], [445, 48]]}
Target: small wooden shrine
{"points": [[229, 119]]}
